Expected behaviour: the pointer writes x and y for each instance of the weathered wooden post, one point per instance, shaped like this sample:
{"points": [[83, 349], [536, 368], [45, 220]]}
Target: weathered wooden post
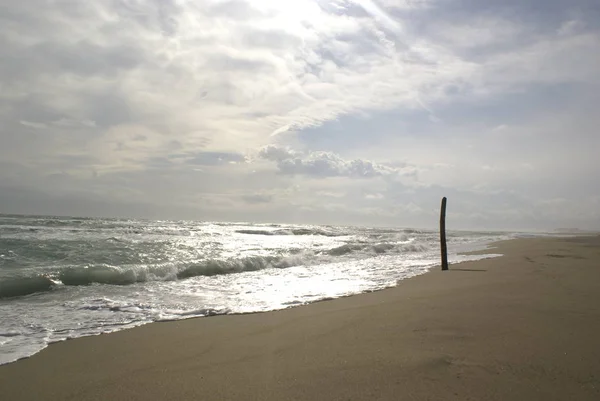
{"points": [[443, 235]]}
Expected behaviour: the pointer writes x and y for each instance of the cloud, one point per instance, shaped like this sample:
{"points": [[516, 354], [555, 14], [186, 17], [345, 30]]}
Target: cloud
{"points": [[257, 198], [162, 103], [325, 164], [187, 69], [213, 158]]}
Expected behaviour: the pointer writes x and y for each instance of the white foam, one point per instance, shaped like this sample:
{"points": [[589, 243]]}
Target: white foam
{"points": [[171, 271]]}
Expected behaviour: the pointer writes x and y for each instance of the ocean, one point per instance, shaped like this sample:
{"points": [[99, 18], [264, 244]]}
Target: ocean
{"points": [[63, 277]]}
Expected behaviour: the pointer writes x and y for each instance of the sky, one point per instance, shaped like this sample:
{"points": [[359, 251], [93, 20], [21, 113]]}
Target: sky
{"points": [[351, 112]]}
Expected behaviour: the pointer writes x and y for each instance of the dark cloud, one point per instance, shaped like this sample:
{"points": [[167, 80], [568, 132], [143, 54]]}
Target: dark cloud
{"points": [[269, 39], [110, 107], [507, 25], [214, 158], [257, 198], [232, 62], [22, 200], [82, 58], [159, 163], [540, 15], [157, 15]]}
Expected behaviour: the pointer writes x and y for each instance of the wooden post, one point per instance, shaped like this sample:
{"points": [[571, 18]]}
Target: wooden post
{"points": [[443, 235]]}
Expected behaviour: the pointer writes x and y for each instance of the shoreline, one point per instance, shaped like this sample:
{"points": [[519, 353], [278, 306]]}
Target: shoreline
{"points": [[439, 335], [481, 251], [300, 305]]}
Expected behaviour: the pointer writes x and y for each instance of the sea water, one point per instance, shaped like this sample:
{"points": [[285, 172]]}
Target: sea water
{"points": [[62, 278]]}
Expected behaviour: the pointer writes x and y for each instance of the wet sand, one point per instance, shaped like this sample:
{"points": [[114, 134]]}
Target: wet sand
{"points": [[525, 326]]}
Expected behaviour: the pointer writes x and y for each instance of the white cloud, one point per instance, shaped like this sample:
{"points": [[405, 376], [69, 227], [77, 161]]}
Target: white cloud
{"points": [[190, 70], [167, 103], [374, 196], [31, 124], [327, 164]]}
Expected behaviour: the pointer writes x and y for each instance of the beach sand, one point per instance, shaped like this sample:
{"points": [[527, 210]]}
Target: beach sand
{"points": [[525, 326]]}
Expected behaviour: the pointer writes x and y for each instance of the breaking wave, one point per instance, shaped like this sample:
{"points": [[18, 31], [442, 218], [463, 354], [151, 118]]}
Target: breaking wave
{"points": [[293, 231], [19, 286], [216, 267], [384, 247], [131, 274], [113, 275], [256, 232]]}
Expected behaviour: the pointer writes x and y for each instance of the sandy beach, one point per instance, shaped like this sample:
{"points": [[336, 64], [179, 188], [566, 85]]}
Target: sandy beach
{"points": [[525, 326]]}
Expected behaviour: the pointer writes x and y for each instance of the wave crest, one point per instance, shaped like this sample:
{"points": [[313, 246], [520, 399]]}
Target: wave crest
{"points": [[99, 275], [104, 274], [292, 231], [19, 286], [380, 248], [131, 274]]}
